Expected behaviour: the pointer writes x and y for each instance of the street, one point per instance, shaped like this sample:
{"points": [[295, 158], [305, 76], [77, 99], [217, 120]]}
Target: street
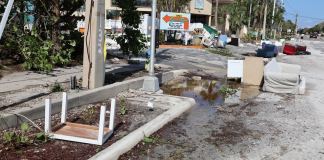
{"points": [[269, 126]]}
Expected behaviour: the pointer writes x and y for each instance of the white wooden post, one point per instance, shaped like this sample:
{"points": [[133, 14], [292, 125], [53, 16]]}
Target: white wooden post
{"points": [[112, 114], [101, 125], [48, 118], [64, 107]]}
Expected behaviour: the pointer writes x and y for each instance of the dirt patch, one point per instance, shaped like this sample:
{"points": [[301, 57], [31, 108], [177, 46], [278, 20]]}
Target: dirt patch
{"points": [[162, 137], [134, 117], [232, 132]]}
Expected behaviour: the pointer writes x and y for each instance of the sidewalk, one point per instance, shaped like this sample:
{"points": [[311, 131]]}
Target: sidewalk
{"points": [[20, 80], [20, 87]]}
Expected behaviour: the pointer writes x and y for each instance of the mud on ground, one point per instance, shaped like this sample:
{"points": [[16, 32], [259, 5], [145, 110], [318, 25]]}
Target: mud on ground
{"points": [[136, 115], [270, 126]]}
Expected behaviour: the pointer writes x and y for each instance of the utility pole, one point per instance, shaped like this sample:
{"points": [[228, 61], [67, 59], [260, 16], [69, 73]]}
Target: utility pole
{"points": [[216, 15], [296, 28], [265, 20], [93, 54], [5, 16], [151, 82], [250, 15], [272, 21]]}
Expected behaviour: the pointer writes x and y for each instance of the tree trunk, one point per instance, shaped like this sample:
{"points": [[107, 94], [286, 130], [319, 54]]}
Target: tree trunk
{"points": [[216, 15], [56, 27]]}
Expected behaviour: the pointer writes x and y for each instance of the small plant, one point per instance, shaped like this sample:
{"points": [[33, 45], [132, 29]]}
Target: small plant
{"points": [[57, 87], [8, 137], [18, 138], [227, 91], [149, 140], [41, 137], [123, 104], [89, 115]]}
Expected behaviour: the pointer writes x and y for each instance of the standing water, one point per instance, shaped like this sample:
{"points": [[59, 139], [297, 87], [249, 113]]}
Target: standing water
{"points": [[196, 134]]}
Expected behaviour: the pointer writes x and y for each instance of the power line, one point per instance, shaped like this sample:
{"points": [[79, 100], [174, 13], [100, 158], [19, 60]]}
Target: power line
{"points": [[302, 16]]}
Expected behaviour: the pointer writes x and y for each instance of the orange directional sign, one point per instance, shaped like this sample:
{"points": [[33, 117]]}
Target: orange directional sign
{"points": [[174, 21]]}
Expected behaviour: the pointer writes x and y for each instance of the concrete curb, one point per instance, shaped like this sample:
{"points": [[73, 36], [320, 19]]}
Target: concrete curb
{"points": [[178, 105], [86, 97]]}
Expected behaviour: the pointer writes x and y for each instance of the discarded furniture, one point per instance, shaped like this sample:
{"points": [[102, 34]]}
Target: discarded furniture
{"points": [[79, 132], [283, 78], [253, 71], [290, 49], [302, 50], [235, 42], [235, 69], [222, 41], [267, 51]]}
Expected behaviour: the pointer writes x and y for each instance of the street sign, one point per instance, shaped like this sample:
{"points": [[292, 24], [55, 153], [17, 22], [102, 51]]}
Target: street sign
{"points": [[175, 21]]}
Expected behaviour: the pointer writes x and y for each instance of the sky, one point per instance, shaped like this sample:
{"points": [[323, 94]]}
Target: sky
{"points": [[311, 12]]}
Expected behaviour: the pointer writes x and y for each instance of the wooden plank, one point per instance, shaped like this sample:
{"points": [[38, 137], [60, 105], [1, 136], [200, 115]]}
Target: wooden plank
{"points": [[74, 139], [253, 71], [80, 130]]}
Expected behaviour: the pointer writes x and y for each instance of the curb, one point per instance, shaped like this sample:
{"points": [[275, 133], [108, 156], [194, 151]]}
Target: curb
{"points": [[179, 106], [86, 97]]}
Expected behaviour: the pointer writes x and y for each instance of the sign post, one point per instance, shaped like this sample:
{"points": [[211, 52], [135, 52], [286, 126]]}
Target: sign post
{"points": [[151, 82], [93, 54]]}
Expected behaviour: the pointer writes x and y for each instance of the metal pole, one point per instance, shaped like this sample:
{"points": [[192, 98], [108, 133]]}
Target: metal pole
{"points": [[296, 21], [265, 19], [151, 83], [5, 16], [153, 38]]}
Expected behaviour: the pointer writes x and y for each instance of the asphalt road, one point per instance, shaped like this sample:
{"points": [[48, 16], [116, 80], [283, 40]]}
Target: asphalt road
{"points": [[271, 126]]}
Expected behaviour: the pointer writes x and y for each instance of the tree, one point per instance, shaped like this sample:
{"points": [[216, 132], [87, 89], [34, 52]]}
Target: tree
{"points": [[239, 14], [172, 5], [132, 39], [53, 37]]}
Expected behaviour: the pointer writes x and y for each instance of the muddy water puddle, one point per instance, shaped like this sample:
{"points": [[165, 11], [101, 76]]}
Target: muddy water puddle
{"points": [[209, 93], [204, 131]]}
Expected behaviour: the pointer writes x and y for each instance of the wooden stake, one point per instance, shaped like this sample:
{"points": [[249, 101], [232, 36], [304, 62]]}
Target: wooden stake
{"points": [[64, 107], [48, 118], [101, 125], [112, 114]]}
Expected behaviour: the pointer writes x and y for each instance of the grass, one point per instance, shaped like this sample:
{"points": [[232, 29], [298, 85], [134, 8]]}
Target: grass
{"points": [[220, 51]]}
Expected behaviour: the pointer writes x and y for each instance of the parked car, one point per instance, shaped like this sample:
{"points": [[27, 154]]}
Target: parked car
{"points": [[313, 35]]}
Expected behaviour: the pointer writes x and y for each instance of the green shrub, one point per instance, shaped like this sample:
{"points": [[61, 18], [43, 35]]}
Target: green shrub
{"points": [[227, 91], [57, 87], [37, 53], [123, 105]]}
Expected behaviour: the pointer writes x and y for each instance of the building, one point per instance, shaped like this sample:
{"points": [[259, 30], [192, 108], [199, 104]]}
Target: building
{"points": [[202, 11]]}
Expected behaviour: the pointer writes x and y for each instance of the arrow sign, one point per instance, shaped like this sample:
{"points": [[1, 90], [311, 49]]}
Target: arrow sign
{"points": [[174, 21]]}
